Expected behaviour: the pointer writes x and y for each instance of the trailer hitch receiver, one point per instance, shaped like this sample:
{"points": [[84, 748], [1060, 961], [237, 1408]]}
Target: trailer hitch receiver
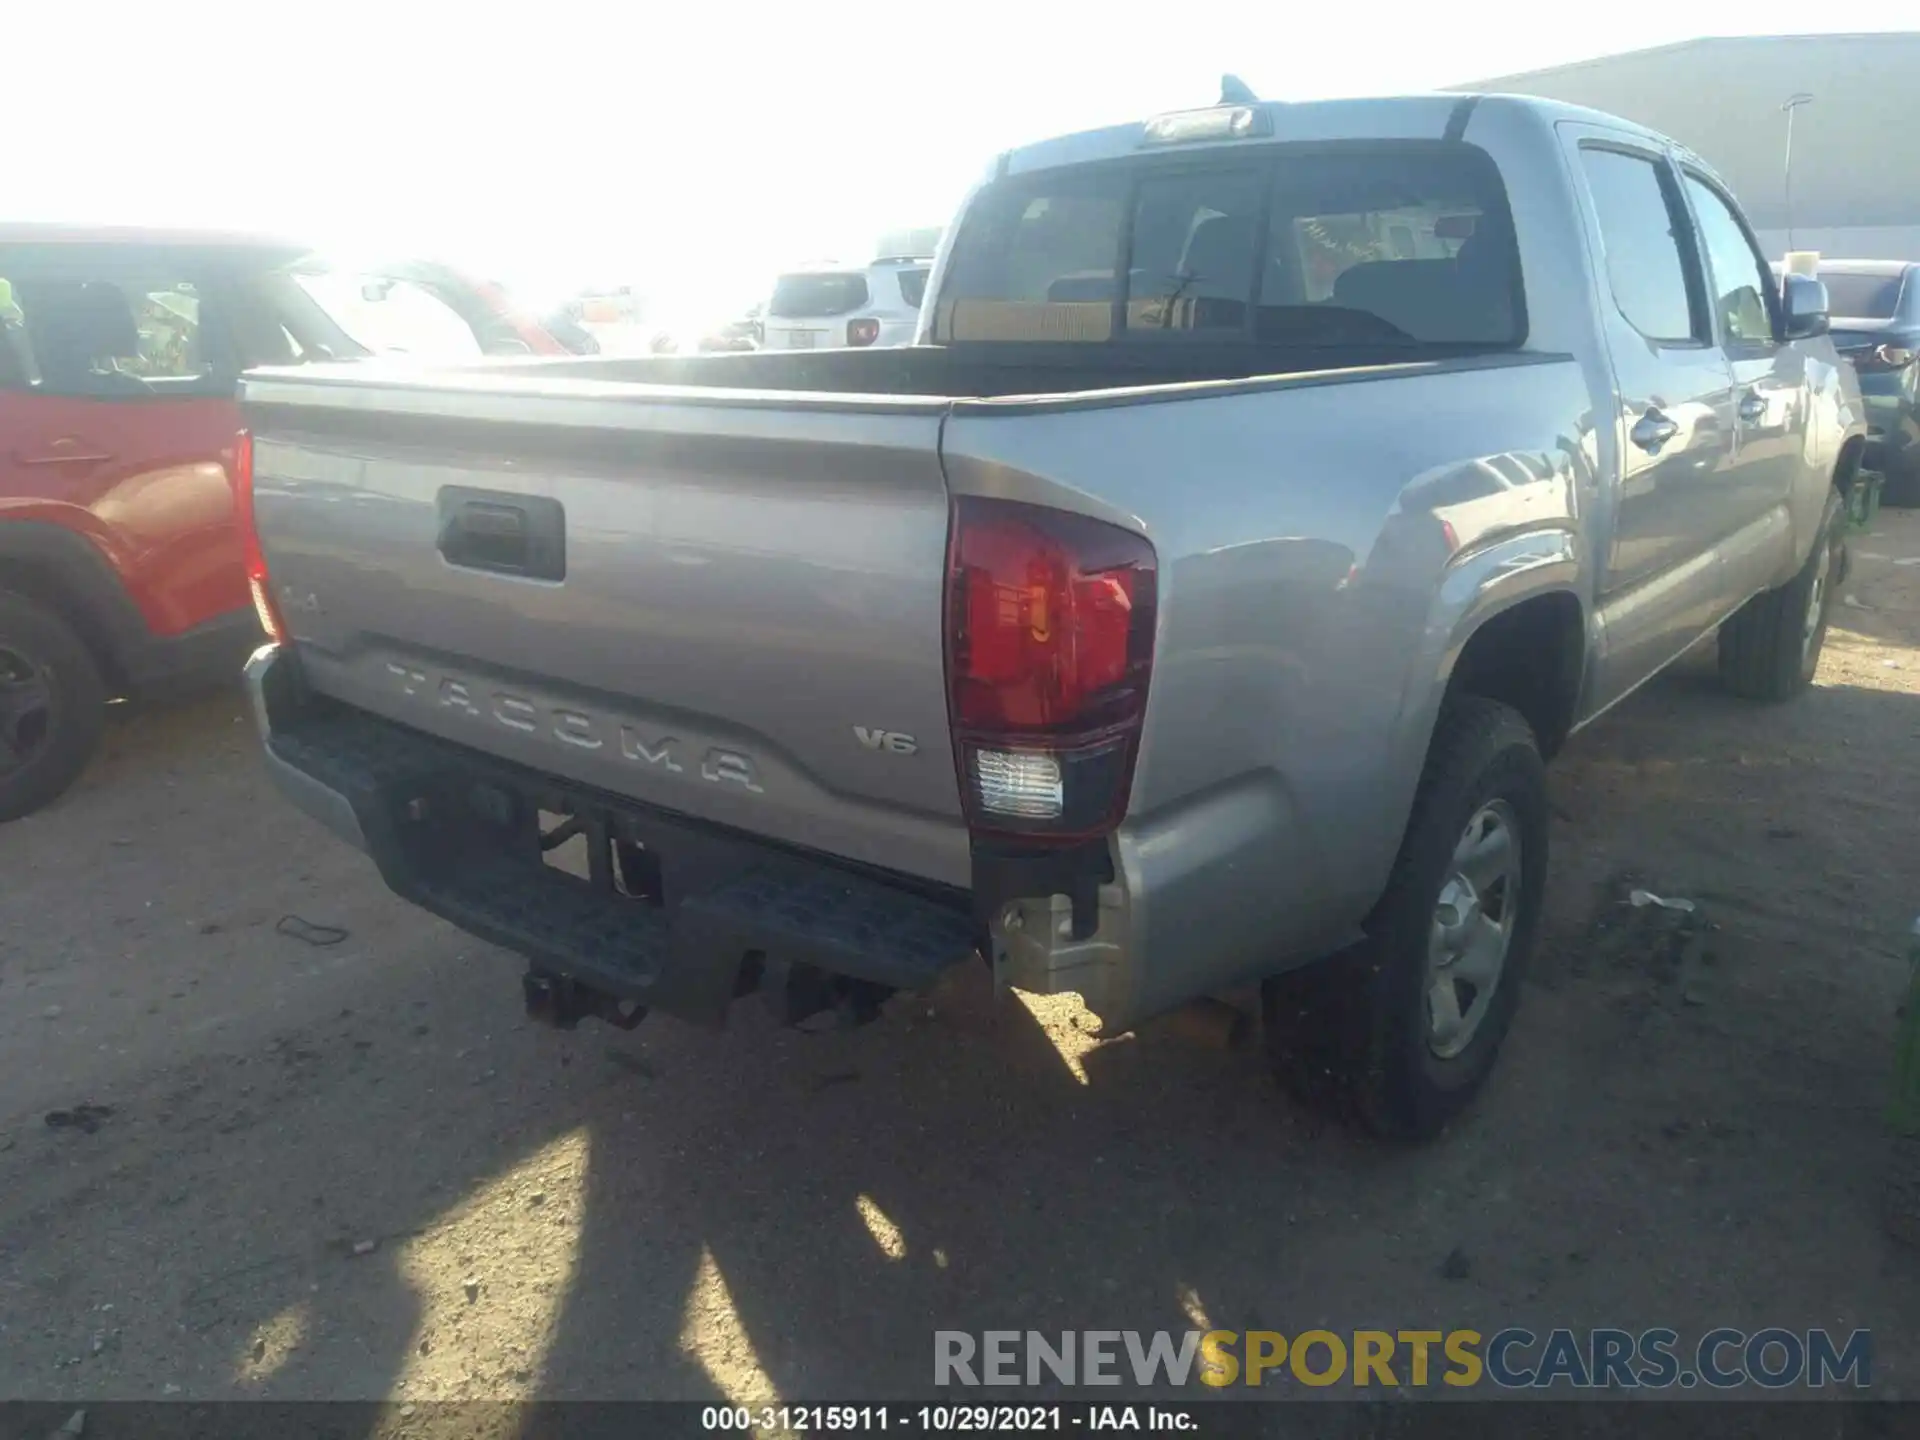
{"points": [[563, 1002]]}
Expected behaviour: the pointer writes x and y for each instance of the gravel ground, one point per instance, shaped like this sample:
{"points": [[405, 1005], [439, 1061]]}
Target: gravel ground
{"points": [[354, 1170]]}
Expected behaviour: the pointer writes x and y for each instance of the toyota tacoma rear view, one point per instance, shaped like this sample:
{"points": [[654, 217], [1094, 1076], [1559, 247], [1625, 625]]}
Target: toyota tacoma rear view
{"points": [[1270, 491]]}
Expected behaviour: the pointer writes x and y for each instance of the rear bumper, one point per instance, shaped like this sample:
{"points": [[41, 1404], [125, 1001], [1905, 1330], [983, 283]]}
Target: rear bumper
{"points": [[1135, 925], [704, 916], [274, 687], [831, 334]]}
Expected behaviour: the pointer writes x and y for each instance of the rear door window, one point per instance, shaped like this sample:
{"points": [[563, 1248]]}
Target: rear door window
{"points": [[1642, 226], [126, 323], [17, 368], [1397, 245], [128, 335]]}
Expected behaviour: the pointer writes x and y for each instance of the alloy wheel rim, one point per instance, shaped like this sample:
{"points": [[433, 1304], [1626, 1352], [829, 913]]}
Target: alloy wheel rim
{"points": [[1472, 929], [1816, 605], [26, 709]]}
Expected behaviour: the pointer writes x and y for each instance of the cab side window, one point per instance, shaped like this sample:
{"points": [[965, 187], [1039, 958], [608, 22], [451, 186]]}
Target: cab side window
{"points": [[1642, 230], [17, 370], [1740, 281], [166, 320], [103, 338]]}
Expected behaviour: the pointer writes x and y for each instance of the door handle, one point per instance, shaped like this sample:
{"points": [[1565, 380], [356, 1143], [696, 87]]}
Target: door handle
{"points": [[66, 451], [1753, 407], [1652, 431]]}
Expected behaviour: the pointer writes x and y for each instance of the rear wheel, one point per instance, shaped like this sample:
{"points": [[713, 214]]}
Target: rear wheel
{"points": [[52, 706], [1770, 647], [1404, 1028], [1900, 483]]}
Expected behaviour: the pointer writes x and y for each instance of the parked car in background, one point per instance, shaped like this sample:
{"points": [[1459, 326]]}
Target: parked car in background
{"points": [[1876, 325], [741, 333], [868, 306], [1159, 625], [910, 243], [705, 336], [564, 323], [121, 568], [422, 308]]}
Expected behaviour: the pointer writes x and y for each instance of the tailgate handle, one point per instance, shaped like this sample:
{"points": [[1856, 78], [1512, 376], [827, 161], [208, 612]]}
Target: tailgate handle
{"points": [[507, 534]]}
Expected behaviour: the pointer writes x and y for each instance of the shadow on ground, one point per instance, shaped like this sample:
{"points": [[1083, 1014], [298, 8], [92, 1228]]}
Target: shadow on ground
{"points": [[392, 1184]]}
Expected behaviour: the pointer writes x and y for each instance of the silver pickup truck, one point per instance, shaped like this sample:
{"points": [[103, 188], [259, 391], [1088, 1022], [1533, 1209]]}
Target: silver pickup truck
{"points": [[1271, 489]]}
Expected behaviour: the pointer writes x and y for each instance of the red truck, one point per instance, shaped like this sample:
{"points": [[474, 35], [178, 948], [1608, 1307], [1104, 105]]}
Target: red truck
{"points": [[121, 570]]}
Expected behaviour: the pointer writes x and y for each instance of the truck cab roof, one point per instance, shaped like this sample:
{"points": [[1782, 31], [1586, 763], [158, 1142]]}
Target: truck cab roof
{"points": [[1399, 117], [48, 243]]}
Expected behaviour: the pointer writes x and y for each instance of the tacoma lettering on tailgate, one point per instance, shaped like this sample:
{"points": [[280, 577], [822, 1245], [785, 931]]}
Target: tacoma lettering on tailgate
{"points": [[568, 726]]}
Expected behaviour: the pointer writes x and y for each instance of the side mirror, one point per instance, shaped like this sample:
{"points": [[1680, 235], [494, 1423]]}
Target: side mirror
{"points": [[1803, 306]]}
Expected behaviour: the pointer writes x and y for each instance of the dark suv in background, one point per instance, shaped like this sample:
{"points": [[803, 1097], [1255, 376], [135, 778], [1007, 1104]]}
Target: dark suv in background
{"points": [[1876, 325]]}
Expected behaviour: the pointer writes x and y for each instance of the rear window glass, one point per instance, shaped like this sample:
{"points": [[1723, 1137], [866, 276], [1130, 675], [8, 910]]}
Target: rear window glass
{"points": [[1862, 297], [798, 296], [913, 287], [1403, 245], [1193, 252]]}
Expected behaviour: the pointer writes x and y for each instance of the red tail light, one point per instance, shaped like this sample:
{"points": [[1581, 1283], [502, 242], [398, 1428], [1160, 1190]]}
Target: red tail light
{"points": [[255, 558], [1050, 626], [862, 332]]}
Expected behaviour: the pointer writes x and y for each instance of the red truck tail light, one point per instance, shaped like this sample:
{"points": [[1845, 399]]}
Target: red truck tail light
{"points": [[862, 332], [254, 556], [1050, 628]]}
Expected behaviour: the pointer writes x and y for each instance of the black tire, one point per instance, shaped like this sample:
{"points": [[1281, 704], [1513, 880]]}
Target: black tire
{"points": [[44, 745], [1767, 651], [1355, 1030], [1900, 485]]}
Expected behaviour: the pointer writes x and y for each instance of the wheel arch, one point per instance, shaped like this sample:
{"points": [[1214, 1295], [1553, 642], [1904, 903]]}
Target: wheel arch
{"points": [[1846, 470], [1503, 613], [61, 570], [1530, 656]]}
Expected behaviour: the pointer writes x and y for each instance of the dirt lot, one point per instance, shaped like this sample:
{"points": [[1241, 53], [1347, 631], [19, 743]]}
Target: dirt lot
{"points": [[354, 1170]]}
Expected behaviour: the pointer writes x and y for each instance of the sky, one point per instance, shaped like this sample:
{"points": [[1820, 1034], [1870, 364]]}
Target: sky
{"points": [[691, 150]]}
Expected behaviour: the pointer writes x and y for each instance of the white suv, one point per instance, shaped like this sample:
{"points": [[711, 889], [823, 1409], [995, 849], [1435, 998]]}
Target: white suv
{"points": [[877, 304]]}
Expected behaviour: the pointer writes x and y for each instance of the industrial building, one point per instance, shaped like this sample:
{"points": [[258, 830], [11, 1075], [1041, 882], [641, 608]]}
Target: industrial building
{"points": [[1854, 189]]}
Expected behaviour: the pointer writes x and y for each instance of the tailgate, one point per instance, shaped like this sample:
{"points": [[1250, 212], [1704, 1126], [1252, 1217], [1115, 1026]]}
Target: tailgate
{"points": [[724, 604]]}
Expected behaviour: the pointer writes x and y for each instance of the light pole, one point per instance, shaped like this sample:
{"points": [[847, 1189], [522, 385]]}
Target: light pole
{"points": [[1793, 103]]}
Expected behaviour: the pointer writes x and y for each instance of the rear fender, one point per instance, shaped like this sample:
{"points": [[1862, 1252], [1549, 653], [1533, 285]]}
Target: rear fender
{"points": [[66, 571], [1475, 589]]}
